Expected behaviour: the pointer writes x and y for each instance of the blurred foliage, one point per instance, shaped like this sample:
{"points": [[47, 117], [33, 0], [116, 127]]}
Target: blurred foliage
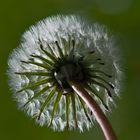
{"points": [[121, 16]]}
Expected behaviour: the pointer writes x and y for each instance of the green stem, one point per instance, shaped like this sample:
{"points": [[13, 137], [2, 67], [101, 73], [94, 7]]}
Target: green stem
{"points": [[99, 115]]}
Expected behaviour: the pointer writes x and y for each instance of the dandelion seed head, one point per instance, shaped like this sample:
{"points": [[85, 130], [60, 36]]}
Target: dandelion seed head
{"points": [[58, 49]]}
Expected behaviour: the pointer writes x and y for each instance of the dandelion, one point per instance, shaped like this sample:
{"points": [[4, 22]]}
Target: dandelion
{"points": [[65, 73]]}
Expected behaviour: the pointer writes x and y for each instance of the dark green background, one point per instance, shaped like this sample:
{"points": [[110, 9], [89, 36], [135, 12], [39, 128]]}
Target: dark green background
{"points": [[121, 16]]}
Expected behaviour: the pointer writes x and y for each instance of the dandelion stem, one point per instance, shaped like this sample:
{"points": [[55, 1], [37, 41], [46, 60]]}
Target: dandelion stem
{"points": [[99, 115]]}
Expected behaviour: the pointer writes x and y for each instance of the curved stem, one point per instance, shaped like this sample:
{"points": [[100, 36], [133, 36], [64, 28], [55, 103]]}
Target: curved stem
{"points": [[99, 115]]}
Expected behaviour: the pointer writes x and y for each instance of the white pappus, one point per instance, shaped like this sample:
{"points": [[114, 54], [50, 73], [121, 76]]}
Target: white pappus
{"points": [[54, 51]]}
